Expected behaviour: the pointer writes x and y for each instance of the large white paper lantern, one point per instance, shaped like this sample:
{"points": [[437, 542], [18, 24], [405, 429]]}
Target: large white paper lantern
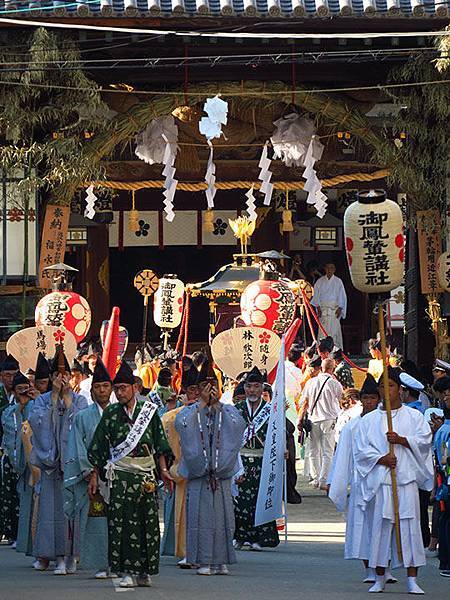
{"points": [[374, 240], [168, 305], [443, 266]]}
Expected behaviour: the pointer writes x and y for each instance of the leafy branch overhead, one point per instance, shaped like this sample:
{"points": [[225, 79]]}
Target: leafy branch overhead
{"points": [[42, 126]]}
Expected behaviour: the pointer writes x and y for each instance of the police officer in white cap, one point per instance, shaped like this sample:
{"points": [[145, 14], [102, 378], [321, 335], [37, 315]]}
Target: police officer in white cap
{"points": [[410, 391]]}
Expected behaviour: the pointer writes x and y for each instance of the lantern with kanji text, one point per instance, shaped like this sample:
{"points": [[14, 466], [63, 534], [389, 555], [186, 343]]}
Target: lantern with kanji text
{"points": [[169, 299], [268, 303], [374, 241]]}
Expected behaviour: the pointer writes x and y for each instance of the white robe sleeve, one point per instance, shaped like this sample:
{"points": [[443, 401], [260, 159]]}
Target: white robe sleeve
{"points": [[342, 470], [342, 299], [366, 454], [420, 443], [316, 299]]}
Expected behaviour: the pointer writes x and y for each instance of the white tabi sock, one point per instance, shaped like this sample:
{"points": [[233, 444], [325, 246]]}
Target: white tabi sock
{"points": [[370, 575], [378, 586], [413, 587]]}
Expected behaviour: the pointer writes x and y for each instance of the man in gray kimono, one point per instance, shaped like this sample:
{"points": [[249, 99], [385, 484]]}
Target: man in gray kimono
{"points": [[211, 438], [51, 420], [87, 517]]}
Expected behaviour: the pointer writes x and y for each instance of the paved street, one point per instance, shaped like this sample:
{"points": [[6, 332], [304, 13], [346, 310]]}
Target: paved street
{"points": [[309, 565]]}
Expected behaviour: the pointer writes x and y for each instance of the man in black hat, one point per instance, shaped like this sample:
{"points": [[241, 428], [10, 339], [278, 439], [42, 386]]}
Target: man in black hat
{"points": [[412, 459], [9, 368], [128, 450], [87, 516], [14, 420], [42, 374], [51, 420], [174, 539], [255, 412]]}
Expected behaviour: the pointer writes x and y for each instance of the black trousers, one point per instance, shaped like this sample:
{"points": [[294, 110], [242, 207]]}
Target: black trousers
{"points": [[444, 540], [424, 500]]}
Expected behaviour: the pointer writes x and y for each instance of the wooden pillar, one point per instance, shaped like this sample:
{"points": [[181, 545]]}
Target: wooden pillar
{"points": [[97, 276]]}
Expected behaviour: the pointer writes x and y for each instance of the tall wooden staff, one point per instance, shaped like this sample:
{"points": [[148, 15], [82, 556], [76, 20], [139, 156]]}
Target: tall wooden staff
{"points": [[387, 405], [374, 241]]}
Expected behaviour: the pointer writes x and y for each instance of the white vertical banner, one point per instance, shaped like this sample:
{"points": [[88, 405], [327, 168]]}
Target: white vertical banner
{"points": [[269, 505]]}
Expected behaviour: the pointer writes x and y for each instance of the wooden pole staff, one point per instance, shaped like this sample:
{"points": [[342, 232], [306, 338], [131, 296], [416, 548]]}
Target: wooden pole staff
{"points": [[387, 404], [144, 326]]}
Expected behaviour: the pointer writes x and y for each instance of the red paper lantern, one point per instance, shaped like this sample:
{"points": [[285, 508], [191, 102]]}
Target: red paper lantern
{"points": [[269, 304], [67, 309]]}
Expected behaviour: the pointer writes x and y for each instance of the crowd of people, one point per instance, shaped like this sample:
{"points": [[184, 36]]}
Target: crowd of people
{"points": [[88, 457]]}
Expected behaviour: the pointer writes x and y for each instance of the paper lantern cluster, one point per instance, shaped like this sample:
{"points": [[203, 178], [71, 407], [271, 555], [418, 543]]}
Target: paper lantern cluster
{"points": [[269, 304], [65, 309], [168, 305], [374, 241]]}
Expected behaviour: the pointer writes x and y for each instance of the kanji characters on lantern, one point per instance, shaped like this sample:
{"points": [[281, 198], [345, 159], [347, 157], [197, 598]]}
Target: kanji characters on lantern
{"points": [[269, 304], [373, 228], [168, 306], [65, 309]]}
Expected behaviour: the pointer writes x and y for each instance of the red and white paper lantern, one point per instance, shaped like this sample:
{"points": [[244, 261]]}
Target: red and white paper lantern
{"points": [[65, 309], [374, 240], [168, 305], [269, 304]]}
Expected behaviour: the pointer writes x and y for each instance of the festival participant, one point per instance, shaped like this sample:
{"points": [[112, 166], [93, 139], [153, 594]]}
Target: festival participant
{"points": [[42, 374], [293, 386], [9, 501], [14, 418], [174, 539], [351, 407], [88, 362], [9, 368], [128, 446], [76, 376], [375, 366], [322, 394], [210, 437], [342, 371], [330, 300], [412, 461], [162, 391], [171, 364], [87, 518], [312, 369], [344, 475], [51, 419], [441, 448], [325, 347], [255, 413]]}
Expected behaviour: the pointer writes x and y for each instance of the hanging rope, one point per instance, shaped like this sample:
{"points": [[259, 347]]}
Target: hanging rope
{"points": [[181, 333], [186, 324], [310, 308], [232, 185]]}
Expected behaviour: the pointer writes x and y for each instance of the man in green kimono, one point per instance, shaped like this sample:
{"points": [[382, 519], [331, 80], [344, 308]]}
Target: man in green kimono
{"points": [[128, 449], [255, 412], [88, 517], [9, 500], [13, 418]]}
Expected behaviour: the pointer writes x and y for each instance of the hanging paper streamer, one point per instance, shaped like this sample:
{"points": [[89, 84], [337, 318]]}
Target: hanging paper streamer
{"points": [[170, 183], [211, 127], [91, 199], [152, 141], [251, 206], [291, 138], [313, 184], [265, 176], [210, 178]]}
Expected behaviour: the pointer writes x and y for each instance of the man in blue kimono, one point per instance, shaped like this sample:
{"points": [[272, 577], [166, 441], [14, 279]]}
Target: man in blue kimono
{"points": [[14, 417], [441, 448], [9, 501], [51, 420], [88, 516]]}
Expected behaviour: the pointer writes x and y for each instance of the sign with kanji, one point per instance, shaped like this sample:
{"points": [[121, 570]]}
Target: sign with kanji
{"points": [[237, 350], [53, 244], [168, 306], [430, 249]]}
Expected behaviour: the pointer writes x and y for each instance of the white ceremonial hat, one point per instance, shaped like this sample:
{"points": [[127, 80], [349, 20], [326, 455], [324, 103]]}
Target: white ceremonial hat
{"points": [[408, 381]]}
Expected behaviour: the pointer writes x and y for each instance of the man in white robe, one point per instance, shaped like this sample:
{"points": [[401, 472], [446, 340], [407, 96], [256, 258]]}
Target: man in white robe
{"points": [[330, 301], [344, 476], [412, 460]]}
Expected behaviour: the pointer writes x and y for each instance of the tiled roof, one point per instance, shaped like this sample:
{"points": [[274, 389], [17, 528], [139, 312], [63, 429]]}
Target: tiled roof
{"points": [[289, 9]]}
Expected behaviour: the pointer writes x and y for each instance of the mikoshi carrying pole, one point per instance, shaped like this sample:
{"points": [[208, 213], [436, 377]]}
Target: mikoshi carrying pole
{"points": [[374, 241], [387, 405]]}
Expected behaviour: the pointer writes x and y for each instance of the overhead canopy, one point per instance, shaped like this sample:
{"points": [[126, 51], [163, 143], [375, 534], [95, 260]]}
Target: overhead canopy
{"points": [[230, 280]]}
